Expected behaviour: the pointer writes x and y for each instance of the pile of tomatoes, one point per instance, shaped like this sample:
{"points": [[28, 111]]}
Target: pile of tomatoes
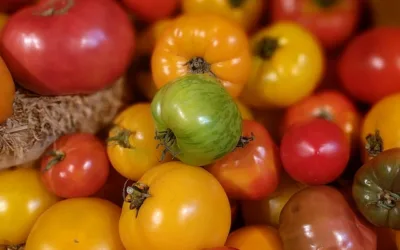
{"points": [[255, 126]]}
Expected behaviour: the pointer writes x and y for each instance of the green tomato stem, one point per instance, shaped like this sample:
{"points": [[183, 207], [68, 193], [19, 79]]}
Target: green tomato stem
{"points": [[137, 193], [325, 3], [122, 138], [15, 247], [266, 47], [57, 156], [52, 10], [244, 140], [197, 65], [236, 3], [374, 145], [324, 114]]}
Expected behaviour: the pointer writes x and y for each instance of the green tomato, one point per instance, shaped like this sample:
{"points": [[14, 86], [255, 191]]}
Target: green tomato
{"points": [[196, 119]]}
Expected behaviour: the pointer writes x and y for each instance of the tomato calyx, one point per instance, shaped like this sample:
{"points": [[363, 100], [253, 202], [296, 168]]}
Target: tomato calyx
{"points": [[323, 114], [266, 47], [244, 140], [56, 7], [387, 199], [122, 138], [13, 247], [167, 139], [374, 145], [137, 193], [325, 4], [235, 3], [197, 65], [56, 157]]}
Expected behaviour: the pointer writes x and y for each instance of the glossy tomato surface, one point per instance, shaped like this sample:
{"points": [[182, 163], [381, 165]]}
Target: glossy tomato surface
{"points": [[255, 237], [369, 68], [68, 47], [75, 165], [320, 216], [315, 152], [152, 10]]}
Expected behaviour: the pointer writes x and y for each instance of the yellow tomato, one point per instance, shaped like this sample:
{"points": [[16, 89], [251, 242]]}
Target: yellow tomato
{"points": [[288, 64], [79, 224], [382, 127], [244, 12], [23, 198], [175, 206], [131, 147], [244, 111], [254, 238]]}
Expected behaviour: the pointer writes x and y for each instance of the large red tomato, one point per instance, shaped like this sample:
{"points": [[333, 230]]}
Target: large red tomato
{"points": [[60, 47], [369, 67], [152, 10], [331, 21], [75, 165], [315, 152]]}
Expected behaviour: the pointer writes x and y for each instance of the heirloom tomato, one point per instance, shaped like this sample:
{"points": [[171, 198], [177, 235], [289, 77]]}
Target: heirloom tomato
{"points": [[287, 65], [175, 206], [332, 21], [131, 147], [268, 210], [62, 47], [246, 13], [376, 189], [330, 105], [203, 44], [252, 172], [147, 39], [381, 127], [152, 10], [7, 92], [79, 224], [23, 198], [315, 152], [196, 119], [320, 216], [255, 237], [368, 67]]}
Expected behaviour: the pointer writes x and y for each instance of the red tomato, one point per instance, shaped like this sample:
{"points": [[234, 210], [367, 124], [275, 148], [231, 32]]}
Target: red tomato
{"points": [[60, 47], [75, 165], [13, 5], [152, 10], [252, 172], [369, 67], [331, 21], [315, 152], [112, 190]]}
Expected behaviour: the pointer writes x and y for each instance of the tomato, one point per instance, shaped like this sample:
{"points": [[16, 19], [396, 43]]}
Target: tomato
{"points": [[380, 128], [180, 51], [320, 216], [219, 248], [375, 189], [252, 172], [131, 147], [113, 188], [23, 198], [63, 47], [397, 238], [152, 10], [268, 210], [3, 20], [175, 206], [315, 152], [246, 13], [330, 105], [77, 223], [247, 114], [75, 165], [147, 39], [332, 21], [197, 121], [371, 59], [7, 90], [386, 239], [255, 237], [9, 6], [287, 65]]}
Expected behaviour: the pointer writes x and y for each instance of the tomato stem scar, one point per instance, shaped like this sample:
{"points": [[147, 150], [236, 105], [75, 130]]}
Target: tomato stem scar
{"points": [[56, 157], [325, 3], [266, 47], [52, 10], [197, 65], [137, 193], [244, 140], [374, 145], [122, 138], [323, 114], [236, 3]]}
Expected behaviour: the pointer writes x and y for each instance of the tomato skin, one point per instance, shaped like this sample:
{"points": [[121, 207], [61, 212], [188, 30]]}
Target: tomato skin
{"points": [[194, 208], [20, 188], [221, 248], [247, 14], [71, 52], [278, 77], [332, 24], [9, 6], [252, 172], [77, 223], [371, 59], [315, 152], [255, 237], [147, 39], [228, 59], [247, 114], [7, 92], [320, 216], [152, 10]]}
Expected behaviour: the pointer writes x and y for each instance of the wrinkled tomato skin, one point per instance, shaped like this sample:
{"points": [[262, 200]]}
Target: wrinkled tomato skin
{"points": [[82, 172], [320, 216], [376, 182], [368, 67]]}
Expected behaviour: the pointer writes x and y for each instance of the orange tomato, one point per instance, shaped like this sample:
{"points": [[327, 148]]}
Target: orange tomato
{"points": [[246, 13], [247, 114], [79, 224], [7, 92], [203, 44], [254, 238]]}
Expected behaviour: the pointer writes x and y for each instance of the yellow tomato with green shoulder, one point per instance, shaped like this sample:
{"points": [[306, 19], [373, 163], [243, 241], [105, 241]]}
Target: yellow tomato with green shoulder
{"points": [[175, 206], [287, 66]]}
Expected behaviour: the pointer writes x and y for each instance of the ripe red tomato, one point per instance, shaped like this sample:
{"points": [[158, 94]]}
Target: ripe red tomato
{"points": [[315, 152], [251, 172], [369, 67], [152, 10], [331, 21], [60, 47], [75, 165]]}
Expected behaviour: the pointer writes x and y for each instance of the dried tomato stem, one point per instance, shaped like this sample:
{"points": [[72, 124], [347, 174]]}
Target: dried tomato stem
{"points": [[323, 114], [266, 47], [137, 193], [197, 65], [122, 138], [57, 156], [325, 3], [236, 3], [374, 145], [244, 140], [53, 10], [387, 199], [167, 139], [15, 247]]}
